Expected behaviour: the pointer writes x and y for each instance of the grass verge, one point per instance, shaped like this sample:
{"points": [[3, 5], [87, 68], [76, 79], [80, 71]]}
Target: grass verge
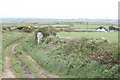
{"points": [[75, 58]]}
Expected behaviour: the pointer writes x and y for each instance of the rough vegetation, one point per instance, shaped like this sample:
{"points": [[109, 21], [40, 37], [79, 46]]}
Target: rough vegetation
{"points": [[76, 57], [47, 31], [7, 28], [25, 28], [9, 38]]}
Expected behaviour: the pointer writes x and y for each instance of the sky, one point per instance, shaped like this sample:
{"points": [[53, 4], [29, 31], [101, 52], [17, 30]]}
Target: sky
{"points": [[64, 9]]}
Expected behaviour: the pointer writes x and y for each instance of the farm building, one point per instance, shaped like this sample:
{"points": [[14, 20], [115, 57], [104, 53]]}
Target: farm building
{"points": [[101, 29], [113, 29]]}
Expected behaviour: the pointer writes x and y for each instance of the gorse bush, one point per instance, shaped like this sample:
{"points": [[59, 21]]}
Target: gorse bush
{"points": [[47, 31], [25, 28]]}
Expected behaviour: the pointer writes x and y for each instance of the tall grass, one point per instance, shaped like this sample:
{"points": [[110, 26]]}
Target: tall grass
{"points": [[9, 37], [15, 66], [74, 59], [23, 56]]}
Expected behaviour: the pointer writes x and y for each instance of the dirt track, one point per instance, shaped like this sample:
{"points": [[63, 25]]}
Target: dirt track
{"points": [[25, 68], [43, 73], [7, 71]]}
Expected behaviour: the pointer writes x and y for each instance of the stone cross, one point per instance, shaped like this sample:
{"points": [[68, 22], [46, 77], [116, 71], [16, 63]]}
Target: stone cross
{"points": [[39, 37]]}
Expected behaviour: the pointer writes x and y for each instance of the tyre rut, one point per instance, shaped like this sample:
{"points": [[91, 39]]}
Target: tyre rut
{"points": [[43, 73], [25, 68], [7, 70]]}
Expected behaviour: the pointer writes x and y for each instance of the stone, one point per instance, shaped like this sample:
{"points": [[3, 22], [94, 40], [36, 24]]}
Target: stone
{"points": [[39, 37]]}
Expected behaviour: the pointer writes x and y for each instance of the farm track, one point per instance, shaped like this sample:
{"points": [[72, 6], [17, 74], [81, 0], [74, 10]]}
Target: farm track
{"points": [[7, 70], [25, 68], [41, 71], [8, 73]]}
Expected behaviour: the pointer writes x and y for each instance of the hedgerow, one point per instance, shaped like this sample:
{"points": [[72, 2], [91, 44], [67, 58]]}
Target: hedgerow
{"points": [[76, 58]]}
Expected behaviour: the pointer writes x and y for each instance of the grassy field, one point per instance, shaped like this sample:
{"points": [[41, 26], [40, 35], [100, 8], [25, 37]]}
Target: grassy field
{"points": [[90, 26], [9, 37], [77, 58], [112, 37]]}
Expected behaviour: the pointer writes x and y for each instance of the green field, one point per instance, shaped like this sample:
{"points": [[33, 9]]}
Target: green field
{"points": [[90, 26], [112, 37], [84, 56]]}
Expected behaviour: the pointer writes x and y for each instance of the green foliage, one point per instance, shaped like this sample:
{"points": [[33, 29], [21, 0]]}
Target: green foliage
{"points": [[47, 31], [25, 28], [111, 73], [22, 55], [75, 58], [16, 66], [8, 39]]}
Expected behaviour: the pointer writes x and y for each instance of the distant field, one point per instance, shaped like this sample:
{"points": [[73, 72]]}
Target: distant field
{"points": [[112, 37], [90, 26], [81, 27], [84, 26]]}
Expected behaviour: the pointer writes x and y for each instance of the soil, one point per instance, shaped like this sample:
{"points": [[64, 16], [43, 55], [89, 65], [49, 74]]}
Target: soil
{"points": [[7, 70]]}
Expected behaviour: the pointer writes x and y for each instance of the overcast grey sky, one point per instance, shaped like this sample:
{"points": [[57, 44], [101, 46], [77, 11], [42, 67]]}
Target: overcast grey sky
{"points": [[95, 9]]}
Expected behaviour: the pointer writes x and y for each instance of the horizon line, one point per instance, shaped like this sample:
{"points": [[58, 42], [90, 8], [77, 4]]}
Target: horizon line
{"points": [[56, 18]]}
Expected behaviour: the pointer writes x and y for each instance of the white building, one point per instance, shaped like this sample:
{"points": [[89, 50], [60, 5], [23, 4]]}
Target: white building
{"points": [[101, 29]]}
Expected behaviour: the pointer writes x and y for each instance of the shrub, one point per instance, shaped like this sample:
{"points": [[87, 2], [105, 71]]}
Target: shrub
{"points": [[25, 28], [111, 73], [47, 31], [81, 58]]}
